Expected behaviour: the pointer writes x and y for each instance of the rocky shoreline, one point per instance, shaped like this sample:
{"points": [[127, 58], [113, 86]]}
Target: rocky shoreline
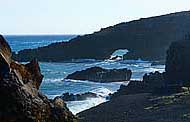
{"points": [[160, 97]]}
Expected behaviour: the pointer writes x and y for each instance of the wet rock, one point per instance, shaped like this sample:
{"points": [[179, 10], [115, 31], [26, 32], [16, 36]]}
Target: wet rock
{"points": [[101, 75], [20, 99]]}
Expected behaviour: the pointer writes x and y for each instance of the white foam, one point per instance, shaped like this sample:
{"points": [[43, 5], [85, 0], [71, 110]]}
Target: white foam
{"points": [[78, 106], [53, 80], [53, 96], [103, 92], [79, 81]]}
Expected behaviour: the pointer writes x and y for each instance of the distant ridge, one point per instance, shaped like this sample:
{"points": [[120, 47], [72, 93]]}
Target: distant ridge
{"points": [[146, 38]]}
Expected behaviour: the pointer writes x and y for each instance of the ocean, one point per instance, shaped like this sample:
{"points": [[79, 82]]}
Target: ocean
{"points": [[19, 42], [54, 73]]}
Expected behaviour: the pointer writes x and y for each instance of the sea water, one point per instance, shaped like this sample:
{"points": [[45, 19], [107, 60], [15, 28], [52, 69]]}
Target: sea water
{"points": [[54, 73], [18, 42]]}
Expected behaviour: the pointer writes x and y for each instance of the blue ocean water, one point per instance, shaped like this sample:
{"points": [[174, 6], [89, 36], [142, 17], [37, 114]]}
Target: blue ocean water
{"points": [[19, 42], [54, 73]]}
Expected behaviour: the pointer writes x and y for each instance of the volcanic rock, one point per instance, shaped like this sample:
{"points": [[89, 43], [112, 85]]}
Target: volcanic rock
{"points": [[102, 75], [178, 63], [20, 99]]}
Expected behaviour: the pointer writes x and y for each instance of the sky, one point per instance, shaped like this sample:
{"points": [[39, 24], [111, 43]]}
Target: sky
{"points": [[78, 16]]}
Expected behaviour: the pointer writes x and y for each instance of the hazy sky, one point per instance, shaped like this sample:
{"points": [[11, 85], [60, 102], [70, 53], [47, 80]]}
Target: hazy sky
{"points": [[77, 16]]}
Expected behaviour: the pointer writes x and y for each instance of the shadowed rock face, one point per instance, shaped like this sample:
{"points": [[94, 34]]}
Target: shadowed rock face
{"points": [[28, 73], [154, 83], [178, 63], [5, 56], [147, 38], [20, 99], [101, 75], [5, 50]]}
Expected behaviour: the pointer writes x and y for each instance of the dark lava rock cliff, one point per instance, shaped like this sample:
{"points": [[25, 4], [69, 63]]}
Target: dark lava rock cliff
{"points": [[20, 99], [178, 63], [146, 38]]}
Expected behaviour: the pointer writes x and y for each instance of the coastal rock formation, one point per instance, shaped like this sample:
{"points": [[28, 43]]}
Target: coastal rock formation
{"points": [[102, 75], [154, 83], [175, 77], [158, 98], [151, 83], [20, 99], [178, 63], [146, 38], [77, 97], [134, 87]]}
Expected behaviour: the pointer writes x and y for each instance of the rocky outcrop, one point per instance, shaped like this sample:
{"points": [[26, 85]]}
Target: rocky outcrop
{"points": [[20, 99], [154, 83], [102, 75], [155, 80], [175, 77], [178, 63], [159, 97], [147, 39], [158, 84], [77, 97], [134, 87]]}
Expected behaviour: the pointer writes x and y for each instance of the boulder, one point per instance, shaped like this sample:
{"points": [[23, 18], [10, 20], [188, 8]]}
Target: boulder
{"points": [[20, 99], [101, 75]]}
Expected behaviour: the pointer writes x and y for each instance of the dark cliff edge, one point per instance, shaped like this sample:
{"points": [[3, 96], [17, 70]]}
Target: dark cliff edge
{"points": [[21, 100], [160, 97], [146, 38]]}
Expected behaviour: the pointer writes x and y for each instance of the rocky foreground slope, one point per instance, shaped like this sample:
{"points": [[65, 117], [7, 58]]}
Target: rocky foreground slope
{"points": [[146, 38], [20, 99]]}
